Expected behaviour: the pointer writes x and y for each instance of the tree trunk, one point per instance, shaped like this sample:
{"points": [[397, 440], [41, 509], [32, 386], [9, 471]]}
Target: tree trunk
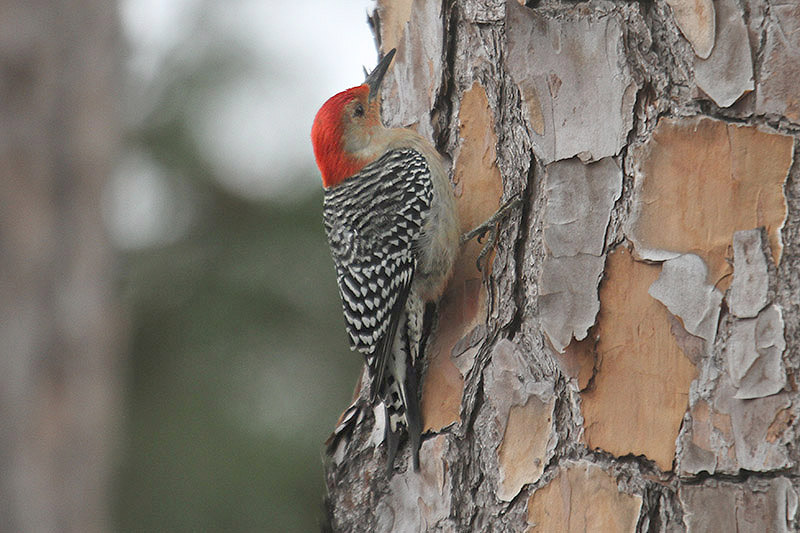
{"points": [[630, 364], [58, 322]]}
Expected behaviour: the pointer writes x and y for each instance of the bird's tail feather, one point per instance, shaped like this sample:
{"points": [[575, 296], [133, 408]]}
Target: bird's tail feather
{"points": [[401, 398]]}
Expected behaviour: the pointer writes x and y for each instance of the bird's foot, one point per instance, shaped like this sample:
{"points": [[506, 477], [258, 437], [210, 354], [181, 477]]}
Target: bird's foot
{"points": [[490, 227]]}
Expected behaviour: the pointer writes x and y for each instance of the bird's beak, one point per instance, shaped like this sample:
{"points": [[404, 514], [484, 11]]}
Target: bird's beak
{"points": [[376, 76]]}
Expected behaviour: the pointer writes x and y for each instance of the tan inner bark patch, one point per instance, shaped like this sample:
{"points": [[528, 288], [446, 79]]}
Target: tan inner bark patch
{"points": [[394, 16], [701, 181], [476, 170], [783, 420], [582, 498], [463, 305], [522, 452], [641, 386]]}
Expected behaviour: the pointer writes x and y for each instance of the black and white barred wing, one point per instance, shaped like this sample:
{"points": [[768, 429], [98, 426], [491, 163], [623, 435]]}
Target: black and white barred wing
{"points": [[373, 221]]}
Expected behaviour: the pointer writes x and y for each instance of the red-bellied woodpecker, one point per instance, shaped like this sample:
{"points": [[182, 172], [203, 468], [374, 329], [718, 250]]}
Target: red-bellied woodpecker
{"points": [[391, 220]]}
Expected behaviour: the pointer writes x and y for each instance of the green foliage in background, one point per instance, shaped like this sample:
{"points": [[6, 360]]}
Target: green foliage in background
{"points": [[239, 363]]}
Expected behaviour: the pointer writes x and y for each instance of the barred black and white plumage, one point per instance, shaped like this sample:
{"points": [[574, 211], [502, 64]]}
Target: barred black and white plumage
{"points": [[374, 221], [393, 229]]}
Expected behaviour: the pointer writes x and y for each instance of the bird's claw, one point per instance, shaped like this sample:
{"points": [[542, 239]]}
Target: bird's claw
{"points": [[490, 228]]}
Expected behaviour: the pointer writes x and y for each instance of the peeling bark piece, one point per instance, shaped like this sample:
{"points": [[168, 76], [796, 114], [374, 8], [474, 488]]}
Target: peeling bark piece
{"points": [[750, 420], [641, 369], [523, 415], [699, 180], [765, 505], [780, 68], [750, 286], [523, 450], [568, 302], [741, 434], [754, 355], [769, 332], [559, 65], [727, 73], [706, 442], [682, 287], [579, 199], [692, 346], [510, 373], [582, 497], [695, 19], [420, 501], [741, 351], [695, 459], [467, 348], [577, 361], [578, 205], [412, 83]]}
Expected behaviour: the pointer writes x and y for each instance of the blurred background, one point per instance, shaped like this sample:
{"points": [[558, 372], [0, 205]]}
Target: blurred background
{"points": [[239, 366], [168, 309]]}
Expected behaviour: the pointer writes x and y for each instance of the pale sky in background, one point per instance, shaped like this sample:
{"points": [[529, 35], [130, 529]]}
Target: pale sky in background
{"points": [[255, 131]]}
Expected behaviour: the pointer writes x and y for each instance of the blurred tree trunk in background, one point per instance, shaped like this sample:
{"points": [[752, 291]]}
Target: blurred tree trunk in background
{"points": [[60, 328], [633, 365]]}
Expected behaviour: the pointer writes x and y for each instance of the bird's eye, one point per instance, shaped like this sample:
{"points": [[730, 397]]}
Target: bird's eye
{"points": [[358, 111]]}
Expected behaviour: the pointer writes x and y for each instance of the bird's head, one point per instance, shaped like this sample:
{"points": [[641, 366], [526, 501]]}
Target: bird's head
{"points": [[345, 125]]}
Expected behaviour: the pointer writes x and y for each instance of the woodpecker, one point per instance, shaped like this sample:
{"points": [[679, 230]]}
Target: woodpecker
{"points": [[390, 217]]}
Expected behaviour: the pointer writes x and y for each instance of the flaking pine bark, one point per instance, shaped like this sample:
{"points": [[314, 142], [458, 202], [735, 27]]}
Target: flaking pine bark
{"points": [[629, 361]]}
